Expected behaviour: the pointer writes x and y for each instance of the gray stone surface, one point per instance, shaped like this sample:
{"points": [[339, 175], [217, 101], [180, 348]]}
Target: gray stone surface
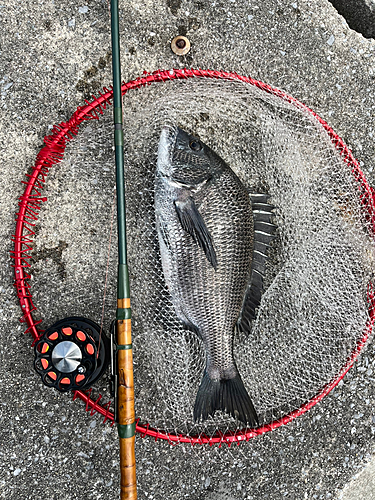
{"points": [[53, 55], [361, 487]]}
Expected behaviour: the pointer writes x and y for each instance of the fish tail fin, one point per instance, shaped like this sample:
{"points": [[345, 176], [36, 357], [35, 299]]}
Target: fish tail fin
{"points": [[228, 395]]}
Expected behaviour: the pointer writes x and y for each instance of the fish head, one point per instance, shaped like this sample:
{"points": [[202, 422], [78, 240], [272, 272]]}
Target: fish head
{"points": [[185, 159]]}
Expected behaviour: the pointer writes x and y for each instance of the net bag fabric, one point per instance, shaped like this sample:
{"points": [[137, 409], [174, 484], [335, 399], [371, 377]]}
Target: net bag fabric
{"points": [[316, 310]]}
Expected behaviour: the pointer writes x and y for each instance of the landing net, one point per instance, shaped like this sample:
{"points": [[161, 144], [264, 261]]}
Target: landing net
{"points": [[317, 309]]}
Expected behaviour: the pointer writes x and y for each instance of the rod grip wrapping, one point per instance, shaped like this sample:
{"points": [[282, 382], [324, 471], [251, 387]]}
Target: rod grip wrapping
{"points": [[127, 466], [125, 406]]}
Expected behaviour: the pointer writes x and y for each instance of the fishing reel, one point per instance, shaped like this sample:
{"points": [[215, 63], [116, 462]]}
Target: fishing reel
{"points": [[72, 354]]}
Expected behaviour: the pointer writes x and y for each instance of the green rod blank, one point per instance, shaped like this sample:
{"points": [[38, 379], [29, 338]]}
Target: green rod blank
{"points": [[119, 141]]}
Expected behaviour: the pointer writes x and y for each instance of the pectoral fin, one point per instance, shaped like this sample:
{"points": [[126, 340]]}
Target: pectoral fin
{"points": [[193, 223]]}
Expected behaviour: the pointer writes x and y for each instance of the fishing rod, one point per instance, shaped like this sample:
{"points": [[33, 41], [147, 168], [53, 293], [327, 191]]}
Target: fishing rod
{"points": [[78, 365], [73, 354], [121, 340]]}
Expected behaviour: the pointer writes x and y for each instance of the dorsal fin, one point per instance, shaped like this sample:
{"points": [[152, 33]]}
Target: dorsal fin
{"points": [[264, 231]]}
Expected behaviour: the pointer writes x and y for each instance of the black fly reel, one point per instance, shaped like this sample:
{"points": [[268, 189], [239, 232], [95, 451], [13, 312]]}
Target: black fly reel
{"points": [[72, 354]]}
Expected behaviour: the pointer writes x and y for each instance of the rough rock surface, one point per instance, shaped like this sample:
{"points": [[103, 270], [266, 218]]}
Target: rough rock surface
{"points": [[54, 55]]}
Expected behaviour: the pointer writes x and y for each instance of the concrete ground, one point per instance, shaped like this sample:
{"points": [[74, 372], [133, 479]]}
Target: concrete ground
{"points": [[55, 54]]}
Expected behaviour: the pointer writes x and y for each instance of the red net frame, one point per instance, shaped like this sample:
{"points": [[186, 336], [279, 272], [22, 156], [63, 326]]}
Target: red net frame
{"points": [[32, 199]]}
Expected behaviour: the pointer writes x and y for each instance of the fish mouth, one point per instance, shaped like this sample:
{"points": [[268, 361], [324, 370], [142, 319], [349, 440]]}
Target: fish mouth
{"points": [[166, 147]]}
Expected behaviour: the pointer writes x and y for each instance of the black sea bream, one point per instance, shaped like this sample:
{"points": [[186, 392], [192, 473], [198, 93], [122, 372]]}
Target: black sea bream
{"points": [[205, 226]]}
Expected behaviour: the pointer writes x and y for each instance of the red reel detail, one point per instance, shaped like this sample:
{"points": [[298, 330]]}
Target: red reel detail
{"points": [[45, 348], [81, 336], [90, 349]]}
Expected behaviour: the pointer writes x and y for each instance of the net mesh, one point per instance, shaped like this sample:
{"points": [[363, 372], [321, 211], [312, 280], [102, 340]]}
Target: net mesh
{"points": [[314, 308]]}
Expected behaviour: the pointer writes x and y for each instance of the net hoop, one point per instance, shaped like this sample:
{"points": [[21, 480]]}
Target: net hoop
{"points": [[31, 200]]}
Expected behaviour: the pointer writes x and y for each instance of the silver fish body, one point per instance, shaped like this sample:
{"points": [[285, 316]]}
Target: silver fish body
{"points": [[206, 236]]}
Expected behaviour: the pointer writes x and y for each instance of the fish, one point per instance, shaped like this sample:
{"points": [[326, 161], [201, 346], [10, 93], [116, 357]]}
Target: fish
{"points": [[208, 239]]}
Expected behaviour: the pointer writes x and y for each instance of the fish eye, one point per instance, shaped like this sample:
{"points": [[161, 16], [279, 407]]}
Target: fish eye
{"points": [[195, 145]]}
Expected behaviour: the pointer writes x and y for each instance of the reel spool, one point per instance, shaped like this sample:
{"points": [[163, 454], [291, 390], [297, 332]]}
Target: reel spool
{"points": [[71, 354]]}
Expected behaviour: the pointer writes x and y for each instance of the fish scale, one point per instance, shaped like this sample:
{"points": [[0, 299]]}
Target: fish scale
{"points": [[205, 227], [216, 319]]}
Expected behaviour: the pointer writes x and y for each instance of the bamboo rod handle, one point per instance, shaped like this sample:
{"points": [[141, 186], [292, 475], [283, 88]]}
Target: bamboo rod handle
{"points": [[127, 466], [126, 415]]}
